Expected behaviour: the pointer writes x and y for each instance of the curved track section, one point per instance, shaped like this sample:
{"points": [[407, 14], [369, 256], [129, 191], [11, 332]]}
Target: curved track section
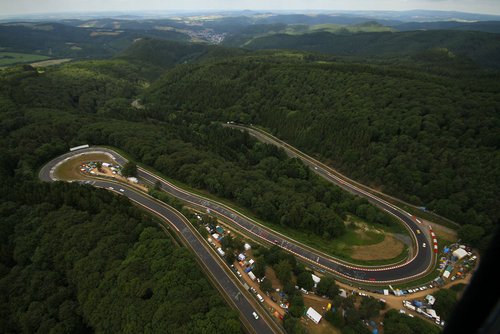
{"points": [[415, 267], [232, 289]]}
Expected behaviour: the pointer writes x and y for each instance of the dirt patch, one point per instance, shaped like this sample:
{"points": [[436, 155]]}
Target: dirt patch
{"points": [[442, 231], [268, 304], [50, 62], [389, 248], [270, 275], [319, 304]]}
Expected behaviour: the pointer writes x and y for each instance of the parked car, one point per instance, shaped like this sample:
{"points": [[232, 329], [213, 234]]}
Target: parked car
{"points": [[255, 315]]}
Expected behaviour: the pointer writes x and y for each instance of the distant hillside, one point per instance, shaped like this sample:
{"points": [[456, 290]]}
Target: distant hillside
{"points": [[163, 53], [485, 26], [320, 19], [59, 40], [480, 47], [169, 53], [243, 36]]}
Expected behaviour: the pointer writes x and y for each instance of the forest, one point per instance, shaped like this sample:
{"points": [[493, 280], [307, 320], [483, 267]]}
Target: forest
{"points": [[428, 138], [479, 48], [79, 260]]}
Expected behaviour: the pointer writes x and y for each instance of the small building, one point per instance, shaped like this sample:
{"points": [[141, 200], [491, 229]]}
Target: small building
{"points": [[106, 164], [251, 275], [430, 299], [342, 293], [316, 279], [459, 253], [313, 315], [241, 257], [216, 236], [247, 246], [251, 262]]}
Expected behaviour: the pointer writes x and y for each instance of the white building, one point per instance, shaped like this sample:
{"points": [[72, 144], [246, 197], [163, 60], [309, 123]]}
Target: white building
{"points": [[313, 315], [247, 246], [430, 299]]}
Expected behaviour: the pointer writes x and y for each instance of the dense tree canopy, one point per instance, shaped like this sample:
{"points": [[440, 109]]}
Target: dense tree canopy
{"points": [[77, 259], [396, 323], [428, 138]]}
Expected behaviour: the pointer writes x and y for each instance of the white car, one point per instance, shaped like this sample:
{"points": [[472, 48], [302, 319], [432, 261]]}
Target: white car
{"points": [[424, 245], [122, 190], [255, 316]]}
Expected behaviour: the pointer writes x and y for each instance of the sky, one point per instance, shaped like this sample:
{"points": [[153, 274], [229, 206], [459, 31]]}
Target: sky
{"points": [[19, 7]]}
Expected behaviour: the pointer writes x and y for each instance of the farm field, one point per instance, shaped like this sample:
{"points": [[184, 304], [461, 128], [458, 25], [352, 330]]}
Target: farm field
{"points": [[11, 58]]}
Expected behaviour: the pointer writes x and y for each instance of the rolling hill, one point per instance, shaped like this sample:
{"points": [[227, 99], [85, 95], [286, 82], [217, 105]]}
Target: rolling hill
{"points": [[480, 47]]}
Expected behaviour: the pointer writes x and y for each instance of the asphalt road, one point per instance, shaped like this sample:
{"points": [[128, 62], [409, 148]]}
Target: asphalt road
{"points": [[417, 265], [204, 254]]}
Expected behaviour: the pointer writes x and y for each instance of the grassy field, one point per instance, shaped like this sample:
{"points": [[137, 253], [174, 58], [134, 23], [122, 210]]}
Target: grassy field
{"points": [[11, 58], [70, 169], [50, 62]]}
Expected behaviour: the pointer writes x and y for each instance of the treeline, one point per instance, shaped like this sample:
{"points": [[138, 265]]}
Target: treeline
{"points": [[429, 139]]}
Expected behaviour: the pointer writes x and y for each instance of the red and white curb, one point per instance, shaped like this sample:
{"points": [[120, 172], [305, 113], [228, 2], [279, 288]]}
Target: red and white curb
{"points": [[434, 240]]}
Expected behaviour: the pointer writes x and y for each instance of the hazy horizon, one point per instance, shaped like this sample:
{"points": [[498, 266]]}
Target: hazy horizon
{"points": [[34, 7]]}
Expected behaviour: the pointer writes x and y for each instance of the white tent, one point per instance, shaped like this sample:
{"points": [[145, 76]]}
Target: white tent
{"points": [[313, 315], [459, 253]]}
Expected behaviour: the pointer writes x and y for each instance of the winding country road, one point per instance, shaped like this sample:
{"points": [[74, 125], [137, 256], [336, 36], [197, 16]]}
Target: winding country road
{"points": [[414, 267]]}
